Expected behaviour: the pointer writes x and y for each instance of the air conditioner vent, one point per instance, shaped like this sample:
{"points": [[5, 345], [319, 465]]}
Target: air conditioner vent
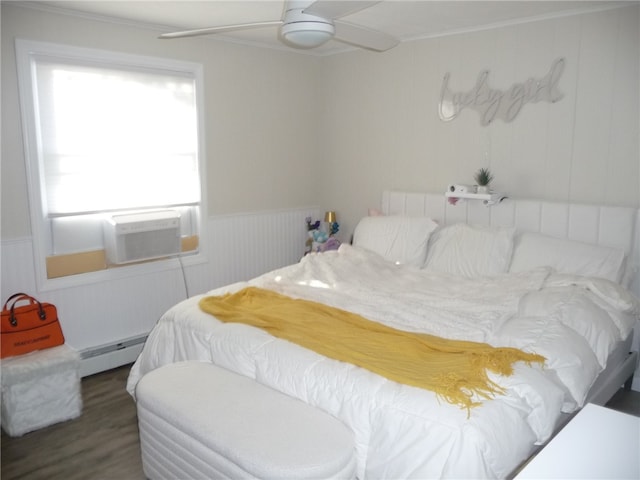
{"points": [[136, 237]]}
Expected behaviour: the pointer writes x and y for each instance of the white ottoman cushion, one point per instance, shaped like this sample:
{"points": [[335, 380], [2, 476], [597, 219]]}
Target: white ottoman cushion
{"points": [[39, 389], [198, 420]]}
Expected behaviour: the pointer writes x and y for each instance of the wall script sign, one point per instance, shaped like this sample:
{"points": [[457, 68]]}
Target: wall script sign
{"points": [[492, 103]]}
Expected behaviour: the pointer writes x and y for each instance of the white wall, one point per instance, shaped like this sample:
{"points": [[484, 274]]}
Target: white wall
{"points": [[260, 132], [285, 129], [382, 130]]}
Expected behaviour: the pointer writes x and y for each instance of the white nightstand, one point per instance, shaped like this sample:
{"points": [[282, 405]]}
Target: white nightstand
{"points": [[597, 443]]}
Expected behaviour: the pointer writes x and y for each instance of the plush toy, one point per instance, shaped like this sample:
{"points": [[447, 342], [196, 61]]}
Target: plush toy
{"points": [[320, 240], [311, 225], [331, 244], [320, 236]]}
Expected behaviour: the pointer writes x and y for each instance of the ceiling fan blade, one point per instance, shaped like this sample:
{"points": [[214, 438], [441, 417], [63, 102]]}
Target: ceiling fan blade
{"points": [[337, 8], [364, 37], [222, 29]]}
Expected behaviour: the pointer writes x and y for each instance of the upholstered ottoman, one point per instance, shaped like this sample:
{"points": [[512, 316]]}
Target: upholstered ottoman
{"points": [[198, 420], [39, 389]]}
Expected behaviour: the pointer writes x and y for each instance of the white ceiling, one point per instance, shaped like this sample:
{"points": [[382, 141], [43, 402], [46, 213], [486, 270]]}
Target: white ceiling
{"points": [[406, 20]]}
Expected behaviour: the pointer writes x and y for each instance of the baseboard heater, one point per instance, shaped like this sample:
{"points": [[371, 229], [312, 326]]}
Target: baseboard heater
{"points": [[105, 357]]}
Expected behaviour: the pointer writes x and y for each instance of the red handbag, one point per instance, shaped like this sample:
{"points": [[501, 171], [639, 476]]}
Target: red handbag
{"points": [[30, 327]]}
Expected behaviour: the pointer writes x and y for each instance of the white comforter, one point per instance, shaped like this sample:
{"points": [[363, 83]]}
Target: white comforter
{"points": [[407, 432]]}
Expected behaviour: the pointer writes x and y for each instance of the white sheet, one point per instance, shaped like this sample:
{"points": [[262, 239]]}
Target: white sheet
{"points": [[402, 431]]}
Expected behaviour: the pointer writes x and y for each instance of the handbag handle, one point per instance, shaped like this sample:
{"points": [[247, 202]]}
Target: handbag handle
{"points": [[15, 295], [17, 298]]}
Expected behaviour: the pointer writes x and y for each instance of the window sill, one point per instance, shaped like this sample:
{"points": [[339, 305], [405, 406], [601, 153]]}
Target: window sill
{"points": [[124, 271]]}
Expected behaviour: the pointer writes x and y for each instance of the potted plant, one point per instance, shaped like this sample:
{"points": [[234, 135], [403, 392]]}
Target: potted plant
{"points": [[483, 178]]}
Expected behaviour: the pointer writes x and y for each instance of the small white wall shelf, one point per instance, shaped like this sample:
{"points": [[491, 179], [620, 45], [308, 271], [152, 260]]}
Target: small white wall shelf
{"points": [[488, 199]]}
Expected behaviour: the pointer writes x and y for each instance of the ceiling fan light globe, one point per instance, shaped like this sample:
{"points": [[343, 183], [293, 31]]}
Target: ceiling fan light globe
{"points": [[307, 34]]}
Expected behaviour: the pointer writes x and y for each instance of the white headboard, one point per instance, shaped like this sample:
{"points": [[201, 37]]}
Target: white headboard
{"points": [[617, 227]]}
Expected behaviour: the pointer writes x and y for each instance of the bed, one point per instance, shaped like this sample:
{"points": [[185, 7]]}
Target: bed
{"points": [[541, 277]]}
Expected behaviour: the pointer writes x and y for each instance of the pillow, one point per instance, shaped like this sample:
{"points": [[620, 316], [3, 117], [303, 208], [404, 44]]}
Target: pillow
{"points": [[470, 251], [399, 239], [533, 250]]}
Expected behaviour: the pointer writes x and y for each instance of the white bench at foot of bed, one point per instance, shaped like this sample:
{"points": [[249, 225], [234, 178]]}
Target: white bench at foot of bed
{"points": [[198, 420]]}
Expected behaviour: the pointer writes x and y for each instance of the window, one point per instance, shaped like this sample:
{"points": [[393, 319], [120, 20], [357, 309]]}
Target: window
{"points": [[106, 133]]}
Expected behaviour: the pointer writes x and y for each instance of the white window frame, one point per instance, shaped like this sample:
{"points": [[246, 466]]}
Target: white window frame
{"points": [[40, 224]]}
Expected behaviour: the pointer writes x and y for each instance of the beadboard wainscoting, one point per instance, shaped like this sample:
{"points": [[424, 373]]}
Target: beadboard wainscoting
{"points": [[108, 320]]}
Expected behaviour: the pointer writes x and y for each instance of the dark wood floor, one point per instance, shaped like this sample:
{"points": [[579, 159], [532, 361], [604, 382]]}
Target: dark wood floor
{"points": [[103, 442]]}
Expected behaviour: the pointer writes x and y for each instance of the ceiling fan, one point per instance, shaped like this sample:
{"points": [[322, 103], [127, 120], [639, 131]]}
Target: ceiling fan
{"points": [[309, 24]]}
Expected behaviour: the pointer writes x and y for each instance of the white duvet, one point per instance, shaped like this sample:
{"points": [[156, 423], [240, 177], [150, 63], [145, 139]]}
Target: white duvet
{"points": [[403, 431]]}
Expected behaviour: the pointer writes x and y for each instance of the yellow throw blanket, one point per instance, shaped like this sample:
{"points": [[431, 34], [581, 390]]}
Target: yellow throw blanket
{"points": [[453, 369]]}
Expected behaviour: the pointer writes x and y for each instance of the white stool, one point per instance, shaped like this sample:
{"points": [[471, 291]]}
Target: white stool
{"points": [[39, 389], [198, 420]]}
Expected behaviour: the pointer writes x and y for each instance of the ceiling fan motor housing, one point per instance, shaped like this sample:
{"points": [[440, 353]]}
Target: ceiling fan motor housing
{"points": [[303, 30]]}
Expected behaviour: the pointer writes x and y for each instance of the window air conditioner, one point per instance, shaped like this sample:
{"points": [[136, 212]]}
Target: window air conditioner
{"points": [[142, 236]]}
